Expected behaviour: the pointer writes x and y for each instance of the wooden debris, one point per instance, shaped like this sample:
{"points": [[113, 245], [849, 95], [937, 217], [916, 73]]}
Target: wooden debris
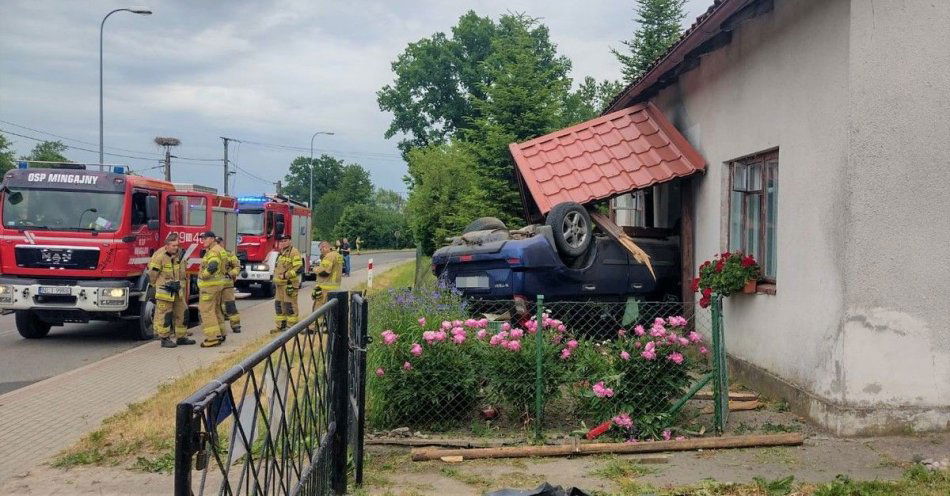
{"points": [[448, 443], [614, 231], [751, 441], [737, 406], [733, 395], [452, 459]]}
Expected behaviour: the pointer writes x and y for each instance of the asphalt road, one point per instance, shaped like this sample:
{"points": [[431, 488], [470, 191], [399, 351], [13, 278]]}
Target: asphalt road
{"points": [[25, 361]]}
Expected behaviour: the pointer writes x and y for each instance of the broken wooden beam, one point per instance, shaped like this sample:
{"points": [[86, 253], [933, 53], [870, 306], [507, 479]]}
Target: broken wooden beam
{"points": [[751, 441], [614, 231]]}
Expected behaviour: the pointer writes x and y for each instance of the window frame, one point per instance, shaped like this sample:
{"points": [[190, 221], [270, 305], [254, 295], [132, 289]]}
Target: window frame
{"points": [[186, 212], [769, 163]]}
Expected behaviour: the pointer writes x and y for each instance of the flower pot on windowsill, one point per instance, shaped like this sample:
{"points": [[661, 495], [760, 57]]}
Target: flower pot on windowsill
{"points": [[749, 287]]}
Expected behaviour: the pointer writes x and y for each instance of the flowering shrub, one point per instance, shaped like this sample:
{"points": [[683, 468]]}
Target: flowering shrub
{"points": [[511, 362], [420, 365], [725, 274], [633, 379]]}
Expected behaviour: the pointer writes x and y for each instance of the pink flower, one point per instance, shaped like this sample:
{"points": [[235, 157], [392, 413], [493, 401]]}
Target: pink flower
{"points": [[572, 344], [565, 353], [557, 338], [506, 327], [389, 337], [621, 332], [495, 340], [639, 330], [481, 333], [482, 323], [380, 372], [649, 351], [470, 323], [679, 438], [422, 322], [516, 333], [695, 337], [637, 344], [658, 331], [683, 341], [666, 435], [440, 335], [623, 420], [650, 346], [659, 321], [429, 336], [458, 338], [416, 349], [561, 328], [703, 350], [406, 366], [514, 345], [446, 324], [601, 391], [677, 321], [456, 323], [624, 355], [675, 357]]}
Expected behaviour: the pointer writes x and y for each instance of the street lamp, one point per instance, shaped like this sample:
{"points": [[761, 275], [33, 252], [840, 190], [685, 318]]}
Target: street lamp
{"points": [[134, 10], [328, 133]]}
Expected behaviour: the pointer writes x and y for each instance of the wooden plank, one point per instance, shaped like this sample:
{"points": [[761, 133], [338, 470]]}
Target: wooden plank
{"points": [[733, 395], [614, 231], [450, 443], [687, 261], [751, 441]]}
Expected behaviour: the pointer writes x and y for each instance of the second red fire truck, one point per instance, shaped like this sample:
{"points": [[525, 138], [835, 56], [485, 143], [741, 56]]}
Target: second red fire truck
{"points": [[260, 220]]}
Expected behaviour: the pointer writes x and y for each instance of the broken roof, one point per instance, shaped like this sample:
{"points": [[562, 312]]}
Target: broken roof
{"points": [[613, 154]]}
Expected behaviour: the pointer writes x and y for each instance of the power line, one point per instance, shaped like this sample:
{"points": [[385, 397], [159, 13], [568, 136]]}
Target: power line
{"points": [[375, 155], [74, 147], [94, 144]]}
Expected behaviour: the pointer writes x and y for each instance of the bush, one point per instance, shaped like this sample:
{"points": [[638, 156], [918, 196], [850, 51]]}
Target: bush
{"points": [[724, 275]]}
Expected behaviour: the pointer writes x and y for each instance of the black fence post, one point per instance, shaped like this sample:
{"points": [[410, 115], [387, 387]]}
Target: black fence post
{"points": [[339, 394], [184, 449], [363, 333]]}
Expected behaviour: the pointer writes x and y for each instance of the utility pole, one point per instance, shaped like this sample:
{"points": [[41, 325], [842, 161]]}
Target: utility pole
{"points": [[168, 143], [279, 188], [227, 175]]}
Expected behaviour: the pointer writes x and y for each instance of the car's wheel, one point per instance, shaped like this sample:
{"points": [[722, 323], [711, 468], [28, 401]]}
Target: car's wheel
{"points": [[29, 325], [142, 327], [485, 224], [571, 225]]}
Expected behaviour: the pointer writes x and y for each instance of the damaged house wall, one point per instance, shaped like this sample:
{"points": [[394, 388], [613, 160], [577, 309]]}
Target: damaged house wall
{"points": [[856, 332]]}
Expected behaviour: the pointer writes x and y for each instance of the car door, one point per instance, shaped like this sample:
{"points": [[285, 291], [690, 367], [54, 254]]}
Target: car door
{"points": [[146, 227]]}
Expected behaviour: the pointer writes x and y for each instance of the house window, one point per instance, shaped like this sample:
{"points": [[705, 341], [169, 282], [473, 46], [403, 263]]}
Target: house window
{"points": [[753, 207], [630, 209]]}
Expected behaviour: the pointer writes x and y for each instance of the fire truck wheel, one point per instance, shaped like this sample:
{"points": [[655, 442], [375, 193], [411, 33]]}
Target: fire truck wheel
{"points": [[29, 325], [141, 327]]}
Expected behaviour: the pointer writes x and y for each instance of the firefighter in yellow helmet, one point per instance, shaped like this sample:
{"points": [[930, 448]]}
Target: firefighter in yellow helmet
{"points": [[286, 278], [166, 273], [211, 282], [329, 274], [228, 311]]}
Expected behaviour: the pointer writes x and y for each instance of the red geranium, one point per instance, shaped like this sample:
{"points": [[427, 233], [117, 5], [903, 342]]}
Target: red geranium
{"points": [[748, 261], [724, 275], [694, 287], [720, 264]]}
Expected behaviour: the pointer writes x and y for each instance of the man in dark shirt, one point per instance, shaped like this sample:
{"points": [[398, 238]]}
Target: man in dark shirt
{"points": [[345, 251]]}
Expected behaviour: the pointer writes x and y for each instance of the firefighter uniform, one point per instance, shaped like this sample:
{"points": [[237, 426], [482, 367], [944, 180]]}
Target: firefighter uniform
{"points": [[286, 278], [211, 282], [329, 275], [228, 311], [166, 273]]}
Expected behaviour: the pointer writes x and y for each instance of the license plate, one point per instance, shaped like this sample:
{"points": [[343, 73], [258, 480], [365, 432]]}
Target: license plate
{"points": [[55, 290], [471, 282]]}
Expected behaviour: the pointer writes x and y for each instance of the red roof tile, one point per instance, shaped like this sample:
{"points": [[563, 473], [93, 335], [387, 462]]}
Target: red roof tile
{"points": [[613, 154]]}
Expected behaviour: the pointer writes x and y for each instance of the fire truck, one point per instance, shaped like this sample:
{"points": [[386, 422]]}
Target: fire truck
{"points": [[75, 241], [260, 220]]}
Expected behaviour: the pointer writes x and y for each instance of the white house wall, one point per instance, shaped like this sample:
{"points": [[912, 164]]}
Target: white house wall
{"points": [[853, 250]]}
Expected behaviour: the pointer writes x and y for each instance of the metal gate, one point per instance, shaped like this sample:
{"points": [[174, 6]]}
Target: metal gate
{"points": [[280, 422]]}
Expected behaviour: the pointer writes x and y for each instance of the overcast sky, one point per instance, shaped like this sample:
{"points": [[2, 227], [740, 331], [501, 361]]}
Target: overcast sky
{"points": [[268, 72]]}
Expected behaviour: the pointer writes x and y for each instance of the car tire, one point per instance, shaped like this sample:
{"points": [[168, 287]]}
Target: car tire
{"points": [[142, 328], [572, 229], [29, 325], [485, 224]]}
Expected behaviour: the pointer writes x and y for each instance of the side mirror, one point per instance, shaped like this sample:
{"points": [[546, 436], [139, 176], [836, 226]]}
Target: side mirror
{"points": [[153, 224], [151, 210]]}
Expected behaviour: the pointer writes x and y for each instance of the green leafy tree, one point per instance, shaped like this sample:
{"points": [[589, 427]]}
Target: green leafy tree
{"points": [[447, 193], [525, 99], [589, 100], [327, 213], [48, 151], [389, 200], [326, 177], [7, 158], [377, 226], [660, 25], [355, 184]]}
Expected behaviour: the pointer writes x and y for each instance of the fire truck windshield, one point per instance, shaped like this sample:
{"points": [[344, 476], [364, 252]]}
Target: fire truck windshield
{"points": [[61, 210], [250, 222]]}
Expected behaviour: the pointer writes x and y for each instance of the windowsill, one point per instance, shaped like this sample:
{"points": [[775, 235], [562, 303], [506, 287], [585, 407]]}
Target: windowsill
{"points": [[765, 288]]}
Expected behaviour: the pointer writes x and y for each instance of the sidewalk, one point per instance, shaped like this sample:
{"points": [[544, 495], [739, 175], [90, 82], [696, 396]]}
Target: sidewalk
{"points": [[44, 418]]}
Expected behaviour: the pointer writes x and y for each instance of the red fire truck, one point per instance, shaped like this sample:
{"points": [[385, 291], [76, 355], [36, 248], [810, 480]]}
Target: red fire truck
{"points": [[260, 220], [75, 241]]}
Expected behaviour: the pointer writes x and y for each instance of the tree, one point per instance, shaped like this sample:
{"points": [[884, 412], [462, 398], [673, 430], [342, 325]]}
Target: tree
{"points": [[525, 99], [326, 177], [327, 213], [48, 151], [447, 193], [389, 200], [376, 226], [589, 100], [660, 25], [355, 184], [7, 160]]}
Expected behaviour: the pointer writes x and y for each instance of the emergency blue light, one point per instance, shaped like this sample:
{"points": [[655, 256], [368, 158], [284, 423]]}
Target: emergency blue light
{"points": [[118, 169], [253, 199], [22, 164]]}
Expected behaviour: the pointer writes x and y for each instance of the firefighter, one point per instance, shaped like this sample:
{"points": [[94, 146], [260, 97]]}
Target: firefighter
{"points": [[329, 274], [166, 273], [229, 310], [211, 282], [286, 278]]}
